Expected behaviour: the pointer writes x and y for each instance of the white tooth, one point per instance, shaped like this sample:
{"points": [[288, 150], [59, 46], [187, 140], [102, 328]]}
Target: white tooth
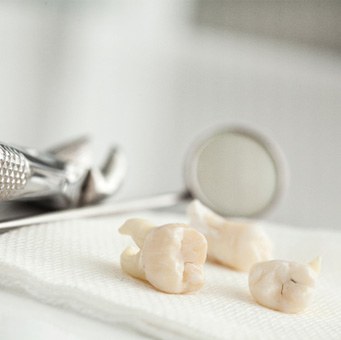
{"points": [[137, 228], [231, 243], [284, 286], [169, 257]]}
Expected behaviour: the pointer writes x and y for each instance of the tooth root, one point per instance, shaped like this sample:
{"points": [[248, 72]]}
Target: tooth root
{"points": [[315, 264], [136, 228], [130, 262], [202, 218]]}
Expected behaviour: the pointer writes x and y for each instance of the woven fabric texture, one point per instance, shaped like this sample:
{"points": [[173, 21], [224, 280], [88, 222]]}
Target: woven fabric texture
{"points": [[75, 265]]}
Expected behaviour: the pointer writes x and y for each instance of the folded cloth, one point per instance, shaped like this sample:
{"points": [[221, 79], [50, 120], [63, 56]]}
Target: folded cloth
{"points": [[75, 265]]}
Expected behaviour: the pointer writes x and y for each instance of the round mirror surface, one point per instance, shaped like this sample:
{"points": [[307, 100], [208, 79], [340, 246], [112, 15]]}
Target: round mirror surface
{"points": [[235, 172]]}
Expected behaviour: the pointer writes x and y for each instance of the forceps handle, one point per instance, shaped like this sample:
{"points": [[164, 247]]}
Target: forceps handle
{"points": [[153, 202]]}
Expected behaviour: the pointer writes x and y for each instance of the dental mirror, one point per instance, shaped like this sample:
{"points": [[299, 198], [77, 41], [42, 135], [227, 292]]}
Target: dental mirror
{"points": [[235, 171]]}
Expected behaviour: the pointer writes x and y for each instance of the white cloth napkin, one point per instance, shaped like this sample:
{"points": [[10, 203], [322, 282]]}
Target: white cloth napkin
{"points": [[75, 265]]}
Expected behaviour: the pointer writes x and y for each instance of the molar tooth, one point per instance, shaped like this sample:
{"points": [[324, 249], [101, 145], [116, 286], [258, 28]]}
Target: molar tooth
{"points": [[284, 286], [169, 257], [232, 243]]}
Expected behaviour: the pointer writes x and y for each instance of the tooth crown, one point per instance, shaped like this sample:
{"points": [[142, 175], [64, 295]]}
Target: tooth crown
{"points": [[284, 286], [233, 244], [169, 257]]}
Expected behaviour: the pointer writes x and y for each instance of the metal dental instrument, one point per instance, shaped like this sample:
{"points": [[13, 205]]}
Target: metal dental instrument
{"points": [[59, 179], [235, 171]]}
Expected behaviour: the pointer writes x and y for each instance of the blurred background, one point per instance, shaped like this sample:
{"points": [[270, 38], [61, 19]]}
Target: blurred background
{"points": [[150, 75]]}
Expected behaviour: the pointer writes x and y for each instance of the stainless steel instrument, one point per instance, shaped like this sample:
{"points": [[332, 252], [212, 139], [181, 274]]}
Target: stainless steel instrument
{"points": [[59, 178], [236, 171]]}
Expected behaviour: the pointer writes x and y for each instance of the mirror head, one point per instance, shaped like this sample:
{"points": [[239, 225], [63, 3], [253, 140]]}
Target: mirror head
{"points": [[236, 172]]}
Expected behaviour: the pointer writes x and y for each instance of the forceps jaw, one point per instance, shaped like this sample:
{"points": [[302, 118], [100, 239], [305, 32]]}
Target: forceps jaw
{"points": [[99, 182], [77, 151], [104, 182]]}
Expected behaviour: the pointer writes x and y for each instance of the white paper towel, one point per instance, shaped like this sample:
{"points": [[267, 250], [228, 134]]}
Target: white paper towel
{"points": [[75, 265]]}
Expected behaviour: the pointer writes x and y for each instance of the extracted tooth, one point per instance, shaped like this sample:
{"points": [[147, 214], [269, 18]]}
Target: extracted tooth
{"points": [[169, 257], [284, 286], [231, 243]]}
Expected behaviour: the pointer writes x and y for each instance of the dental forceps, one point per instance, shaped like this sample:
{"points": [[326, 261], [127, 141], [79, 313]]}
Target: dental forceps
{"points": [[59, 178]]}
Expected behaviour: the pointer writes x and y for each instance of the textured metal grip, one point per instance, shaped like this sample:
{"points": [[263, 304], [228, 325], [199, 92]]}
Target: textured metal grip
{"points": [[14, 172]]}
